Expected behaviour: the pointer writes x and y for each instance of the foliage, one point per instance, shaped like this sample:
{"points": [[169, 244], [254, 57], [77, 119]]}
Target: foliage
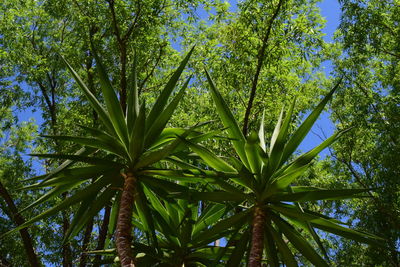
{"points": [[261, 55], [369, 103]]}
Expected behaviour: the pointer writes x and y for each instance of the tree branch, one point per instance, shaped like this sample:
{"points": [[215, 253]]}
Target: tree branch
{"points": [[152, 70], [260, 61], [133, 25]]}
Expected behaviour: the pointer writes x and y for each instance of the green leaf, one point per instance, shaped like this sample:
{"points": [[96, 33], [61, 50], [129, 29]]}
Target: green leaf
{"points": [[167, 135], [136, 142], [156, 204], [285, 251], [167, 186], [246, 178], [206, 136], [100, 134], [112, 147], [328, 225], [167, 230], [226, 249], [93, 209], [310, 155], [211, 214], [253, 153], [155, 156], [278, 141], [306, 126], [144, 213], [77, 158], [156, 126], [283, 181], [210, 158], [186, 227], [223, 225], [237, 254], [84, 206], [174, 211], [103, 115], [261, 134], [77, 197], [113, 218], [305, 213], [190, 175], [229, 121], [270, 247], [106, 138], [132, 107], [231, 189], [299, 242], [215, 196], [161, 101], [113, 106], [81, 152], [317, 195], [71, 175], [277, 130], [52, 193], [308, 227]]}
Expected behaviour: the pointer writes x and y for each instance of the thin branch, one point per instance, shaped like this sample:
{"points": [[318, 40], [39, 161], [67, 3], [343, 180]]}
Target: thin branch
{"points": [[260, 61], [153, 68], [114, 21], [133, 25], [45, 95]]}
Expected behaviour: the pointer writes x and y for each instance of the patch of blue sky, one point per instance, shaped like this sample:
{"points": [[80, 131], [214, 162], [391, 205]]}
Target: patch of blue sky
{"points": [[324, 127]]}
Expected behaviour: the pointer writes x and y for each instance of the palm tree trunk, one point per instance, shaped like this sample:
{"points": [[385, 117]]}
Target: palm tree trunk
{"points": [[257, 238], [124, 222]]}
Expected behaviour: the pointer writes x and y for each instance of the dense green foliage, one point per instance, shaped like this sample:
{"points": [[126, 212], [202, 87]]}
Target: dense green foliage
{"points": [[261, 55]]}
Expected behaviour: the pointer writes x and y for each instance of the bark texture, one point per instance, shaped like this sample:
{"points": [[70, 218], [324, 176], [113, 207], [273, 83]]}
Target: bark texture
{"points": [[124, 223], [257, 237]]}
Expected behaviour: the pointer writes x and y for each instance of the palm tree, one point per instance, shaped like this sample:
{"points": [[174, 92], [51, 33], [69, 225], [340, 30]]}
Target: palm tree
{"points": [[113, 159], [270, 202]]}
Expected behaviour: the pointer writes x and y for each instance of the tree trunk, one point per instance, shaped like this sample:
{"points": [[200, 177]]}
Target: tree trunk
{"points": [[102, 235], [66, 249], [257, 238], [124, 222], [85, 244], [18, 220]]}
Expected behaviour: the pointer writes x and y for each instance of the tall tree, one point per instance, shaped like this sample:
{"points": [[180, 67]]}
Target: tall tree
{"points": [[369, 102], [15, 140]]}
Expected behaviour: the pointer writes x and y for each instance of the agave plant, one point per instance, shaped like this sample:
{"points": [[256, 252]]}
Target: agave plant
{"points": [[112, 159], [270, 202]]}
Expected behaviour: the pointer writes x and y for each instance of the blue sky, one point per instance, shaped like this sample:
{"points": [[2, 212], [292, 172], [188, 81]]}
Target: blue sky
{"points": [[330, 9]]}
